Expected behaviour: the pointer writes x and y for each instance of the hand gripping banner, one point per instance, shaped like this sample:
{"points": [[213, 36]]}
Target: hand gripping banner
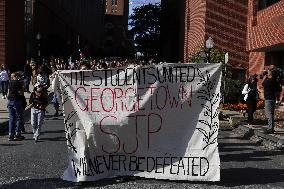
{"points": [[155, 122]]}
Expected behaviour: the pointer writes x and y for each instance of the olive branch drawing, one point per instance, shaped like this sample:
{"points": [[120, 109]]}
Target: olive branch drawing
{"points": [[210, 123], [70, 131]]}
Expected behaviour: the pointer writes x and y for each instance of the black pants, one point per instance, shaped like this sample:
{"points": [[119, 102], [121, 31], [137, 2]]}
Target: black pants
{"points": [[4, 87], [251, 104]]}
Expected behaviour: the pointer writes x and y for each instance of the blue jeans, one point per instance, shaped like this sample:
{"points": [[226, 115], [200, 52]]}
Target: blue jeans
{"points": [[269, 112], [4, 87], [37, 117], [16, 118]]}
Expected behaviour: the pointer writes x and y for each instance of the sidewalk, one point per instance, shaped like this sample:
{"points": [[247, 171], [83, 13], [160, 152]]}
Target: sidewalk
{"points": [[255, 132]]}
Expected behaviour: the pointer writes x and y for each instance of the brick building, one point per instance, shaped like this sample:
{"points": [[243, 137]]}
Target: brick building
{"points": [[265, 34], [98, 28], [116, 41], [172, 30], [66, 26], [225, 21], [12, 33]]}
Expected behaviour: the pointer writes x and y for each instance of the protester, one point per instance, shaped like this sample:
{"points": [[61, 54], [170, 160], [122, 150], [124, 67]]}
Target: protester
{"points": [[4, 78], [42, 79], [251, 95], [34, 72], [269, 87], [21, 78], [39, 102], [278, 77], [15, 107], [28, 76], [54, 100]]}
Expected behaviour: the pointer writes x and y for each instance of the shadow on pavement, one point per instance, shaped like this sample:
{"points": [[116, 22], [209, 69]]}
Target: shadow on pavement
{"points": [[54, 183], [246, 176], [51, 183], [58, 131], [253, 156], [53, 139], [11, 144], [233, 149], [223, 144]]}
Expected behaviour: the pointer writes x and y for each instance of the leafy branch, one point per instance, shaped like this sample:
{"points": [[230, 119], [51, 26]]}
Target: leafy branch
{"points": [[210, 113], [70, 131]]}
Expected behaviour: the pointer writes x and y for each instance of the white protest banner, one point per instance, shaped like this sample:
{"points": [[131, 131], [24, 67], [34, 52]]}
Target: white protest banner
{"points": [[154, 122]]}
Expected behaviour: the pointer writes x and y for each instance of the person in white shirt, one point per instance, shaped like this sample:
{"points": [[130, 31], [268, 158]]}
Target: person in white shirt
{"points": [[250, 93], [4, 78]]}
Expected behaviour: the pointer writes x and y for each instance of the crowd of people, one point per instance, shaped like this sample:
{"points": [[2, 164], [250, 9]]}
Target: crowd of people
{"points": [[14, 85]]}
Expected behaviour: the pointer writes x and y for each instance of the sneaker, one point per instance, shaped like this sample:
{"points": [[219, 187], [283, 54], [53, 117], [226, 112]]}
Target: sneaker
{"points": [[36, 139], [3, 97], [11, 138], [19, 137]]}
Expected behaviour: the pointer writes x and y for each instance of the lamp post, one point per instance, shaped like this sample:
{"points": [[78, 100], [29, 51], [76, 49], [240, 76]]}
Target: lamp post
{"points": [[38, 37], [209, 46], [226, 59]]}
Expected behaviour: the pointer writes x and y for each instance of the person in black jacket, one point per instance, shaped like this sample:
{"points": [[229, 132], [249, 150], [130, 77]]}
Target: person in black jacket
{"points": [[15, 108], [269, 87]]}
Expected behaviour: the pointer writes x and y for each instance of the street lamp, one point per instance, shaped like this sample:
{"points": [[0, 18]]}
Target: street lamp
{"points": [[209, 46], [38, 37]]}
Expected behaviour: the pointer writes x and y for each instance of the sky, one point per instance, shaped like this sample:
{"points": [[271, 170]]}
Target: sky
{"points": [[135, 3]]}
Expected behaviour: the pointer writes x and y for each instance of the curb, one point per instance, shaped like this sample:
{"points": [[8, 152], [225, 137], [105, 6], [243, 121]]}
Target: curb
{"points": [[269, 141]]}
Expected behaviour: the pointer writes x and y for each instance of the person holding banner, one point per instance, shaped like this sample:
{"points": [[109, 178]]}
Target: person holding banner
{"points": [[251, 95]]}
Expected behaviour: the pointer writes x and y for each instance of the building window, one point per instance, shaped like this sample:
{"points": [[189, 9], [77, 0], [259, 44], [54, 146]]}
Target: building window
{"points": [[263, 4], [113, 2]]}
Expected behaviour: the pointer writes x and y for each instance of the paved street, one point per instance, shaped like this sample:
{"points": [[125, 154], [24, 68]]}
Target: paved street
{"points": [[25, 165]]}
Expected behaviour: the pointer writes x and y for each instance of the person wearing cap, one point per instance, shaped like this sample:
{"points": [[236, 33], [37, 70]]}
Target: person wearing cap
{"points": [[39, 102]]}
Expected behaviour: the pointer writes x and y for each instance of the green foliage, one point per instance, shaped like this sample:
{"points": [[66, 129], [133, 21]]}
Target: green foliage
{"points": [[145, 25], [216, 56], [231, 89]]}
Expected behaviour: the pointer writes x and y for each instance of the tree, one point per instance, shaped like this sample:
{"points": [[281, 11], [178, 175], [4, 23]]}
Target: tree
{"points": [[231, 89], [145, 25]]}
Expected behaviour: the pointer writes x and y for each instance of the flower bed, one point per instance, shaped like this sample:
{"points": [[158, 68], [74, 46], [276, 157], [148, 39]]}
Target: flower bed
{"points": [[242, 106]]}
